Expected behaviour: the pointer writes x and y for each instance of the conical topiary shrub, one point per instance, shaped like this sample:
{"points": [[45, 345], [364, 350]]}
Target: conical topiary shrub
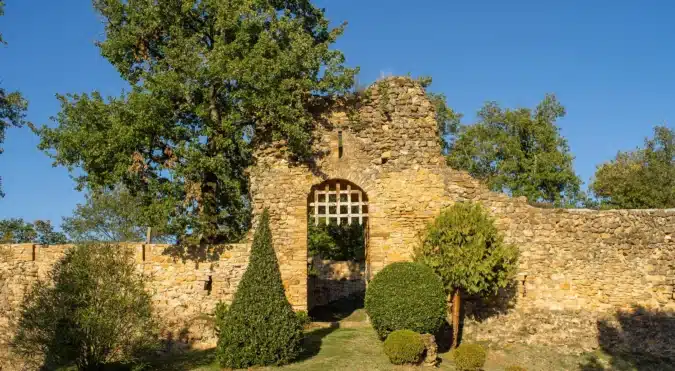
{"points": [[260, 328]]}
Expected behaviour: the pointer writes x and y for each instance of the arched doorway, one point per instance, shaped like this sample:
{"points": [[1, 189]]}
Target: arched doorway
{"points": [[337, 241]]}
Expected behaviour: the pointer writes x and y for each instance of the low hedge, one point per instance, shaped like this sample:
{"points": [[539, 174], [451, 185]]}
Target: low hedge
{"points": [[404, 347], [406, 296]]}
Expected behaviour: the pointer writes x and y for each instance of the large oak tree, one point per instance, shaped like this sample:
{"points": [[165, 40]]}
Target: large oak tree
{"points": [[210, 80]]}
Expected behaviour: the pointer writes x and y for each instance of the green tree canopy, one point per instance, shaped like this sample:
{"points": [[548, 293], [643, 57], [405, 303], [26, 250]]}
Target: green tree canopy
{"points": [[520, 152], [644, 178], [17, 230], [211, 79], [12, 106], [112, 216], [465, 248], [448, 120]]}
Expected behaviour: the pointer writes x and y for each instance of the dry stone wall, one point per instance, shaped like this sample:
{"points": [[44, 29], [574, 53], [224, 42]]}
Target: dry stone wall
{"points": [[571, 260], [332, 280], [184, 293]]}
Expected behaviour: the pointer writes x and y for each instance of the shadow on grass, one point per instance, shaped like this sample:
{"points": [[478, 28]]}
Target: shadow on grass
{"points": [[639, 339], [339, 309], [311, 344], [187, 360]]}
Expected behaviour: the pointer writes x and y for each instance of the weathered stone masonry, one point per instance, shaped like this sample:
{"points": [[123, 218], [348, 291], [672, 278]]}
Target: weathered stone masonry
{"points": [[596, 261]]}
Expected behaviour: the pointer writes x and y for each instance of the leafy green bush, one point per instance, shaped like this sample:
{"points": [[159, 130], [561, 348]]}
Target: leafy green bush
{"points": [[406, 296], [260, 327], [469, 357], [220, 313], [515, 368], [303, 318], [91, 311], [336, 242], [404, 347]]}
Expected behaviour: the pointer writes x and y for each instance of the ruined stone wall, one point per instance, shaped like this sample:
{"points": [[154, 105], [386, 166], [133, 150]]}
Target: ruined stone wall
{"points": [[332, 280], [570, 259], [184, 293]]}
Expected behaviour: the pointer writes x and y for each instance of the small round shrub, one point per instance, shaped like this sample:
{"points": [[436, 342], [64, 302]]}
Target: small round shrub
{"points": [[515, 368], [406, 296], [404, 347], [469, 357]]}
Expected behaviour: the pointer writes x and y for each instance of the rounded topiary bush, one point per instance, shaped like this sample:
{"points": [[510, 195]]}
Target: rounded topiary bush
{"points": [[406, 296], [404, 347], [469, 357]]}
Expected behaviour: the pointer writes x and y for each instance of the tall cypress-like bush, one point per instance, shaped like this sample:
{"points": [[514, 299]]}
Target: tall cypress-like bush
{"points": [[260, 328]]}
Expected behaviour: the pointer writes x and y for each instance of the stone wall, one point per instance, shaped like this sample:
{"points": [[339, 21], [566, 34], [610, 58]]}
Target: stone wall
{"points": [[571, 260], [333, 280], [184, 293]]}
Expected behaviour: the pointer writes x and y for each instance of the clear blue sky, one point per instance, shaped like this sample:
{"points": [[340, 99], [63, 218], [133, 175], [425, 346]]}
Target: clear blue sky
{"points": [[611, 63]]}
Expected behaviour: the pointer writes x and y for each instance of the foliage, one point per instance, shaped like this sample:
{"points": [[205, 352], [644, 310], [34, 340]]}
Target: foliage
{"points": [[469, 357], [336, 242], [113, 216], [447, 119], [515, 368], [46, 235], [12, 107], [404, 347], [405, 296], [520, 152], [210, 81], [463, 246], [220, 314], [260, 327], [91, 311], [303, 318], [40, 232], [644, 178]]}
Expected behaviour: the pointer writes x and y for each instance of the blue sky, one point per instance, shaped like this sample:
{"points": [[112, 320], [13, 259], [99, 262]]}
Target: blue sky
{"points": [[611, 63]]}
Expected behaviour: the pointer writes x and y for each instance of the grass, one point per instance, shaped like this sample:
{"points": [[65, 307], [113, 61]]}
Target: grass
{"points": [[358, 348]]}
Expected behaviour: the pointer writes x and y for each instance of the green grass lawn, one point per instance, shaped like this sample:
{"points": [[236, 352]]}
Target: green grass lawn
{"points": [[359, 349]]}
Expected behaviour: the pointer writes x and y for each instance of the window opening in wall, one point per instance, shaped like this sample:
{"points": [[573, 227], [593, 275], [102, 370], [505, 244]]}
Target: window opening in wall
{"points": [[208, 285], [340, 148]]}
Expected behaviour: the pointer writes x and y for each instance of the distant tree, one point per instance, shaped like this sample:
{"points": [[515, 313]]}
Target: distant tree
{"points": [[641, 179], [12, 107], [463, 246], [336, 242], [40, 232], [113, 216], [46, 234], [211, 80], [16, 230], [520, 152], [447, 119]]}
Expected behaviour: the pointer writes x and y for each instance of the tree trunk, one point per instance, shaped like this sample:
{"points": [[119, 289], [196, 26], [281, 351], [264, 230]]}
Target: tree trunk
{"points": [[456, 302]]}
